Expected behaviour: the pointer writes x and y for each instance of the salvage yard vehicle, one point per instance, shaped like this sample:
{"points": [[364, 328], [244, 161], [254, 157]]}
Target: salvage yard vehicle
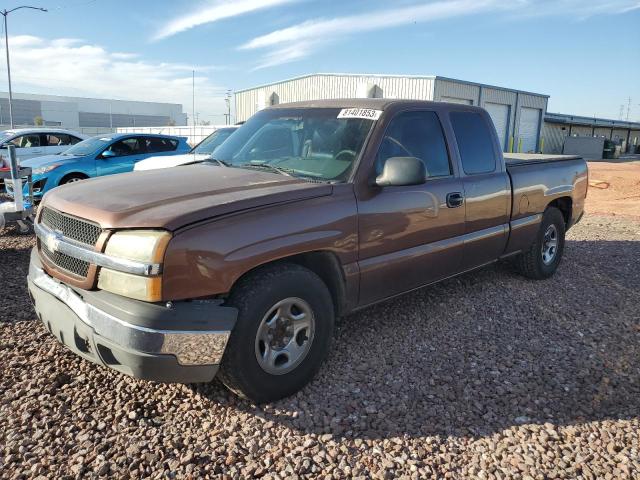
{"points": [[98, 156], [38, 141], [35, 142], [239, 266], [199, 153]]}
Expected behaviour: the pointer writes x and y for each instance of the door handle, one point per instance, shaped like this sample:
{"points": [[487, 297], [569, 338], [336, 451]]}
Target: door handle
{"points": [[455, 199]]}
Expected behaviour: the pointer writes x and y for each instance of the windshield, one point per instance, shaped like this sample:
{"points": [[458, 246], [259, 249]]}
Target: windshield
{"points": [[304, 142], [89, 146], [213, 141], [4, 136]]}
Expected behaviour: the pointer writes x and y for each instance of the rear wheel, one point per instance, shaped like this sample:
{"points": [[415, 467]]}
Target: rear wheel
{"points": [[282, 335], [543, 257]]}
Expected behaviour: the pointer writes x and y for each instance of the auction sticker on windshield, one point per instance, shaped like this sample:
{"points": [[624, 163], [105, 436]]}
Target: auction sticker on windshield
{"points": [[366, 113]]}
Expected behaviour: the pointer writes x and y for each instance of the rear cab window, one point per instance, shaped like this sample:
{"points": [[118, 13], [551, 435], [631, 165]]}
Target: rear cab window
{"points": [[475, 142]]}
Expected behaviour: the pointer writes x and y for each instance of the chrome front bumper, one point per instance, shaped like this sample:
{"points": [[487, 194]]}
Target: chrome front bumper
{"points": [[70, 317]]}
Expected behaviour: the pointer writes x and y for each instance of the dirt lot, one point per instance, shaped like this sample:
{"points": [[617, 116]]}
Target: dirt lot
{"points": [[614, 188], [485, 376]]}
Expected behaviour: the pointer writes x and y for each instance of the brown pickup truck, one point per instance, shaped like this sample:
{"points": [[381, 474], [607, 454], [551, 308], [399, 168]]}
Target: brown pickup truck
{"points": [[238, 266]]}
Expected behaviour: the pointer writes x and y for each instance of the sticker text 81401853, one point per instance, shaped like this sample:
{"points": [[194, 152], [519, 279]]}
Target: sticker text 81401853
{"points": [[366, 113]]}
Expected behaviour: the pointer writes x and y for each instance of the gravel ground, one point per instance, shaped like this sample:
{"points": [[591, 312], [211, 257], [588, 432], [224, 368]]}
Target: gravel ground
{"points": [[484, 376]]}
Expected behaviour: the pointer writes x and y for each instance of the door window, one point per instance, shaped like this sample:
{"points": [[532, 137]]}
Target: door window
{"points": [[128, 146], [416, 134], [159, 144], [475, 142], [27, 141], [58, 139]]}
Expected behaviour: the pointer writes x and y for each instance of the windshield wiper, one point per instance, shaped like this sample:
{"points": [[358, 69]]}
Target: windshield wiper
{"points": [[222, 163], [289, 172]]}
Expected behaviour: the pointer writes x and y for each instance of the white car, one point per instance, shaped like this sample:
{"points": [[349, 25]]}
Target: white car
{"points": [[200, 152], [37, 141]]}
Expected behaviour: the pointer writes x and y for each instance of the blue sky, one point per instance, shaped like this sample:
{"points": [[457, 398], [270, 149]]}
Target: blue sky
{"points": [[584, 54]]}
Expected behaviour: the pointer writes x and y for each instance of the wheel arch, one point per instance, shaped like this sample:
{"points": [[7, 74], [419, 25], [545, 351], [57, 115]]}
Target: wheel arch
{"points": [[68, 175], [323, 263], [565, 205]]}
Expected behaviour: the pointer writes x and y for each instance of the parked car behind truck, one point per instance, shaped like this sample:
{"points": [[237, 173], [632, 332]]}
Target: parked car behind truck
{"points": [[239, 267], [35, 142], [98, 156], [199, 153]]}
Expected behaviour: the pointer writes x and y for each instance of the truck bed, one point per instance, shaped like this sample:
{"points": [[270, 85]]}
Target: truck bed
{"points": [[515, 159]]}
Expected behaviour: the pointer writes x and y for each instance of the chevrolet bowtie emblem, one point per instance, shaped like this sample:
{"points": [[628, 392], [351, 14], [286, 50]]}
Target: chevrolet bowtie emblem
{"points": [[53, 241]]}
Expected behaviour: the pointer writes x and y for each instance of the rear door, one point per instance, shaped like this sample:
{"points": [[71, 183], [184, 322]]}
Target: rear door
{"points": [[486, 188], [408, 235], [126, 153], [160, 146]]}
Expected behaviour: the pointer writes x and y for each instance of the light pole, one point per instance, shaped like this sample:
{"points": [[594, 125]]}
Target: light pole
{"points": [[227, 99], [5, 13]]}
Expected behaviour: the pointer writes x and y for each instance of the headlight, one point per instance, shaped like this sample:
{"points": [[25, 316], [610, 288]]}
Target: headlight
{"points": [[48, 168], [140, 245]]}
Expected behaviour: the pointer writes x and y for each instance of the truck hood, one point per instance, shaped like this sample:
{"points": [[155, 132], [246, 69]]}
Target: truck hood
{"points": [[152, 163], [154, 199]]}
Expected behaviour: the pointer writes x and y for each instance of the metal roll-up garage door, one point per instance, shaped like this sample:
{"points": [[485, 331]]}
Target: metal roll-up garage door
{"points": [[499, 113], [529, 127]]}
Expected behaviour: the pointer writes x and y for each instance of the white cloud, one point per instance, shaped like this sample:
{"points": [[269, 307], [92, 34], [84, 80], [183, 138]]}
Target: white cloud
{"points": [[214, 12], [301, 40], [76, 68]]}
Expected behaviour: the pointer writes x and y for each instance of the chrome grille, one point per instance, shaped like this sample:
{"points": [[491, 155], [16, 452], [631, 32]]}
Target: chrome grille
{"points": [[73, 265], [71, 227]]}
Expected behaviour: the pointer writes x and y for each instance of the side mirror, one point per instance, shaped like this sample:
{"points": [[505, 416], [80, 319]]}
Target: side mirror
{"points": [[107, 154], [400, 171]]}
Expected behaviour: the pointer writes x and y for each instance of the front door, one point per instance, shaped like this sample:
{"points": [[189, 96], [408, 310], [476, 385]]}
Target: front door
{"points": [[121, 156], [28, 146], [410, 236]]}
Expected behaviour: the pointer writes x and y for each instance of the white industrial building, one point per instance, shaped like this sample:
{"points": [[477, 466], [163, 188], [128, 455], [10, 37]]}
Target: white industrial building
{"points": [[517, 115], [81, 112]]}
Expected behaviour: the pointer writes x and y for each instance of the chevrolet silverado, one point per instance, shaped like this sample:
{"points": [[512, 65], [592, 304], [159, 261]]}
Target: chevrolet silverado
{"points": [[239, 265]]}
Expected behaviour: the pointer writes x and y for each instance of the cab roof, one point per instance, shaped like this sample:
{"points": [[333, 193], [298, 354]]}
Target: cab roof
{"points": [[374, 103]]}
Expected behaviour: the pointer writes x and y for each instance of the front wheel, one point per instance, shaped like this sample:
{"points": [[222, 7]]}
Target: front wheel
{"points": [[73, 178], [282, 335], [543, 257]]}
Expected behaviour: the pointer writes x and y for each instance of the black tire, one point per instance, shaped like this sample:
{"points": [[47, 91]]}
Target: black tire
{"points": [[71, 178], [254, 297], [530, 263]]}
